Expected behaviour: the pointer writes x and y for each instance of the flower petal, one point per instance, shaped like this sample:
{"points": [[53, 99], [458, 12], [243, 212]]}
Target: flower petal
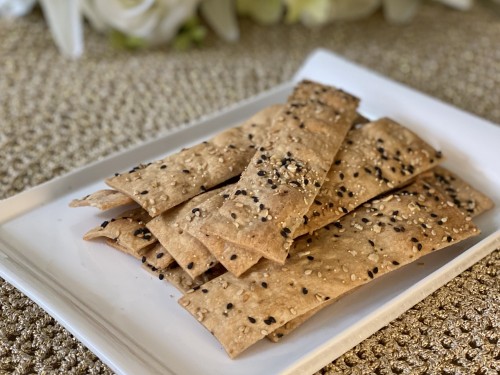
{"points": [[65, 24], [400, 11], [458, 4], [221, 17]]}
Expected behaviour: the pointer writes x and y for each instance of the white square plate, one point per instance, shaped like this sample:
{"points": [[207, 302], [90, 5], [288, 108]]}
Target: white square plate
{"points": [[132, 321]]}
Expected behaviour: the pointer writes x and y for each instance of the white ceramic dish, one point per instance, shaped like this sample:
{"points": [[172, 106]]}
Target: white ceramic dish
{"points": [[132, 321]]}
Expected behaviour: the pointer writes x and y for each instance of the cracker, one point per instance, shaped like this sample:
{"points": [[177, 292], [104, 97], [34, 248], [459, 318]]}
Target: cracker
{"points": [[241, 311], [137, 254], [373, 159], [234, 258], [103, 200], [166, 183], [459, 192], [169, 229], [177, 277], [278, 186], [128, 231], [158, 257], [348, 184], [469, 200]]}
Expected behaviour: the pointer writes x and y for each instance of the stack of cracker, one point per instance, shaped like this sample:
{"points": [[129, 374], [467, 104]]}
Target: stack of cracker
{"points": [[269, 222]]}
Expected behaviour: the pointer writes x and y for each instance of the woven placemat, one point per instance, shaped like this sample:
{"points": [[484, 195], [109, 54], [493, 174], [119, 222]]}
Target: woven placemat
{"points": [[56, 115]]}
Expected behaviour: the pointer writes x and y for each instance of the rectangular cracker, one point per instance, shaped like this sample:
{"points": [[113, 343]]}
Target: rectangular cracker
{"points": [[169, 229], [470, 201], [376, 158], [348, 184], [282, 179], [105, 199], [128, 230], [158, 257], [177, 277], [241, 311], [234, 258], [166, 183]]}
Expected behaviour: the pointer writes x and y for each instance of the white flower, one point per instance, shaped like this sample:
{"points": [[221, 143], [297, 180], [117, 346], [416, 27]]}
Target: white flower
{"points": [[154, 21], [65, 24], [15, 8]]}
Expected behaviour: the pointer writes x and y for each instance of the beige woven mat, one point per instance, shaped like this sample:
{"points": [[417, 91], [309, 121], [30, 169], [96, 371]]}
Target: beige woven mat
{"points": [[56, 115]]}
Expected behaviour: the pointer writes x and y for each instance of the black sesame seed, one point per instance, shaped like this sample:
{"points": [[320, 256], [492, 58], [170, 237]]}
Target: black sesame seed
{"points": [[306, 181], [284, 234], [337, 162], [309, 240], [337, 224], [370, 273], [310, 257], [368, 170], [243, 192], [233, 257], [159, 255], [195, 210], [264, 284], [255, 199], [161, 276], [340, 194], [419, 246], [365, 220], [317, 184], [250, 136], [190, 266], [143, 260], [233, 215], [371, 242], [104, 224], [356, 174], [279, 335], [261, 206], [304, 290], [344, 210], [317, 202], [185, 171], [251, 320], [341, 175], [204, 291], [269, 181], [395, 262], [144, 192], [163, 166], [263, 219], [274, 187], [238, 192], [306, 219], [449, 239], [261, 173], [375, 270], [229, 306], [225, 196]]}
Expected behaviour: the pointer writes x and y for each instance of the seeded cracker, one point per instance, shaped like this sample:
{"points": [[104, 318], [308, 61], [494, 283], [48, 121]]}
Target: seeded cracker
{"points": [[376, 158], [103, 200], [392, 154], [128, 231], [158, 257], [177, 277], [241, 311], [284, 176], [473, 203], [235, 259], [166, 183], [170, 227]]}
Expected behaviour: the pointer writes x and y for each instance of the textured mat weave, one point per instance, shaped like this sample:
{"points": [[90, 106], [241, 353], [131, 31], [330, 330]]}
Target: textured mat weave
{"points": [[56, 115]]}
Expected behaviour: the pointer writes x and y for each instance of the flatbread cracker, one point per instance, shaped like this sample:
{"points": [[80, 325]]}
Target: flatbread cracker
{"points": [[177, 277], [376, 158], [348, 184], [128, 231], [158, 257], [282, 179], [169, 229], [136, 254], [470, 201], [241, 311], [103, 200], [234, 258], [459, 192], [166, 183]]}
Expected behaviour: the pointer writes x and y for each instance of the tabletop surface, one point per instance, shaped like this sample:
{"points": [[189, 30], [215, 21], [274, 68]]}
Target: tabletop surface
{"points": [[56, 115]]}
